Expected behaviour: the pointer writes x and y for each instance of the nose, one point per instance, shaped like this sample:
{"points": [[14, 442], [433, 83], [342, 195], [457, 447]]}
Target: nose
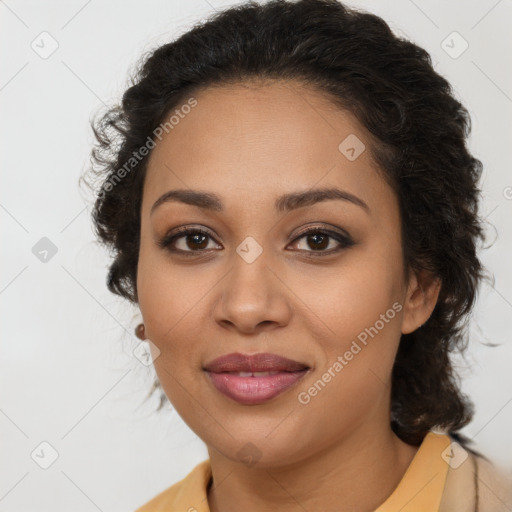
{"points": [[252, 298]]}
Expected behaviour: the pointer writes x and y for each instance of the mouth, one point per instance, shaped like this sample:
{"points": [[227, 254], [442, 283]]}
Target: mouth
{"points": [[254, 379]]}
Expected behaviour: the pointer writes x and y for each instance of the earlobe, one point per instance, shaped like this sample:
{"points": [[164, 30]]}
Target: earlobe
{"points": [[420, 300]]}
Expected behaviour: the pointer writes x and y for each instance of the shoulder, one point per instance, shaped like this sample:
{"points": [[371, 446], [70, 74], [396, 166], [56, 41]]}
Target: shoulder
{"points": [[190, 493], [494, 486], [477, 484]]}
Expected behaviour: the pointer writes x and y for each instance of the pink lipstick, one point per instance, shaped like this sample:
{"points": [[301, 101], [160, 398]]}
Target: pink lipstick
{"points": [[254, 379]]}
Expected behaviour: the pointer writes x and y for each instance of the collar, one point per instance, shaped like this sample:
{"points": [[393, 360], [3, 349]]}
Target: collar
{"points": [[422, 485], [420, 489]]}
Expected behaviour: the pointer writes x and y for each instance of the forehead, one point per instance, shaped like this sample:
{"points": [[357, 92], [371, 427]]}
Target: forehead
{"points": [[253, 142]]}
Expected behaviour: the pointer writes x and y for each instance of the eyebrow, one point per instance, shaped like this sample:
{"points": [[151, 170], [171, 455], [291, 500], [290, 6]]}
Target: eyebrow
{"points": [[284, 203]]}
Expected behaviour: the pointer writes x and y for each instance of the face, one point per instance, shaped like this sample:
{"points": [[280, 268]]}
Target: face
{"points": [[318, 282]]}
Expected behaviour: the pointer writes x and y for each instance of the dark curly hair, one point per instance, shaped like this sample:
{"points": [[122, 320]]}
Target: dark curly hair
{"points": [[418, 130]]}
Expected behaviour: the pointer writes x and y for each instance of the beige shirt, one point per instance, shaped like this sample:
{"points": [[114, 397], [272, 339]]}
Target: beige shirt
{"points": [[442, 477]]}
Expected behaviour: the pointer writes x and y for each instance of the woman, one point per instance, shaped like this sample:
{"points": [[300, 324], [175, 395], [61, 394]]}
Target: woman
{"points": [[293, 208]]}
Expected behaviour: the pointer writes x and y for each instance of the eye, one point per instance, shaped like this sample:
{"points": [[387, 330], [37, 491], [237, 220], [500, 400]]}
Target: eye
{"points": [[318, 239], [195, 240]]}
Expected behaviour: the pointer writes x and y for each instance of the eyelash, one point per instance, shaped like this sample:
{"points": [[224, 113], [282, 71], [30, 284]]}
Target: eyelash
{"points": [[344, 240]]}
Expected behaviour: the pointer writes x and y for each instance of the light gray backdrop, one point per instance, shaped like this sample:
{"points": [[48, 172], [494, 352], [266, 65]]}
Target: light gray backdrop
{"points": [[71, 394]]}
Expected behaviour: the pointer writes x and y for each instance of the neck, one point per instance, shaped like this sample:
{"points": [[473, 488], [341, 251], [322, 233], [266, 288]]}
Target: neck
{"points": [[358, 473]]}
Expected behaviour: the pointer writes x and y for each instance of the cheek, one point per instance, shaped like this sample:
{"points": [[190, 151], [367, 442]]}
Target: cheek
{"points": [[173, 300], [354, 377], [168, 300], [356, 295], [166, 293], [363, 311]]}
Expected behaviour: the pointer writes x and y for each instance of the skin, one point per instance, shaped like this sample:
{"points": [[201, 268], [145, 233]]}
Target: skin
{"points": [[249, 144]]}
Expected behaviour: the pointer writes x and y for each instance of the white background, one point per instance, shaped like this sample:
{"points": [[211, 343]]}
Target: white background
{"points": [[68, 376]]}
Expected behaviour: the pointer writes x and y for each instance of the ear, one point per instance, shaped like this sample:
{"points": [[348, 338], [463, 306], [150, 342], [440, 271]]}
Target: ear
{"points": [[420, 300]]}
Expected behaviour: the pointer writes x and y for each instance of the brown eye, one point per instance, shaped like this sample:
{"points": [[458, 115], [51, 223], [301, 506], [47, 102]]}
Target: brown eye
{"points": [[319, 240], [194, 240]]}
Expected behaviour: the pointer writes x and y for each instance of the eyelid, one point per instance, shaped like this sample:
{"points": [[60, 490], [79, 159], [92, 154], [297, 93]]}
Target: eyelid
{"points": [[174, 234], [322, 227]]}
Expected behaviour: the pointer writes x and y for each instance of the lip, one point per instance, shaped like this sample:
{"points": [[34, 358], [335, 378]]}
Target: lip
{"points": [[262, 362], [253, 390]]}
